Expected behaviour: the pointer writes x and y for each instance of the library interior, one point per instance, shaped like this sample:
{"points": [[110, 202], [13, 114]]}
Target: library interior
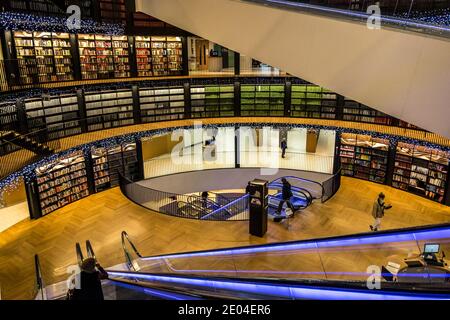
{"points": [[180, 150]]}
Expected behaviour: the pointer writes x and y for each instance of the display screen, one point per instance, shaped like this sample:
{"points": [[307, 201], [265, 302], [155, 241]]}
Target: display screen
{"points": [[431, 248]]}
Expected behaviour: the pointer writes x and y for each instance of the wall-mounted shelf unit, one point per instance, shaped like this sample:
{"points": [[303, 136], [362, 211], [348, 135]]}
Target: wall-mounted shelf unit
{"points": [[144, 56], [421, 170], [58, 113], [364, 157], [109, 108], [43, 57], [108, 162], [161, 103], [262, 100], [60, 182], [354, 111], [310, 101], [121, 54], [212, 101]]}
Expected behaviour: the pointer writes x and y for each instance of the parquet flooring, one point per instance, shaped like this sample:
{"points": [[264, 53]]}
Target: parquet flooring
{"points": [[101, 218]]}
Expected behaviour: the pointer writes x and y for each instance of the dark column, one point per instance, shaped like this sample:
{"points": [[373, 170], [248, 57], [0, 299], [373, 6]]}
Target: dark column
{"points": [[237, 148], [225, 53], [187, 100], [133, 59], [82, 109], [185, 62], [337, 159], [9, 54], [140, 159], [390, 163], [136, 104], [237, 98], [130, 7], [34, 206], [447, 191], [89, 171], [287, 98], [22, 117], [237, 63], [74, 49], [339, 107]]}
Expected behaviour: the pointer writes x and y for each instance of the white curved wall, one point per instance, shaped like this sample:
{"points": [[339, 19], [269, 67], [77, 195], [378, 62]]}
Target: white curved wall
{"points": [[402, 74]]}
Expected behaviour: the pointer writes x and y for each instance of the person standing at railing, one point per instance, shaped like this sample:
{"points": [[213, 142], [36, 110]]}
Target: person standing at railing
{"points": [[286, 195], [378, 211]]}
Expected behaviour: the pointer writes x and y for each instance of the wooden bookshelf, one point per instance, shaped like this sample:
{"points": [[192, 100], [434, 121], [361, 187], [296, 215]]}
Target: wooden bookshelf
{"points": [[161, 103], [144, 56], [310, 101], [109, 108], [61, 182], [262, 100], [121, 56], [421, 170], [108, 162], [364, 157], [212, 101]]}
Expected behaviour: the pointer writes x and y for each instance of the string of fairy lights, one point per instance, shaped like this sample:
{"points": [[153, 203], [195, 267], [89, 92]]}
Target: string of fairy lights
{"points": [[15, 21], [28, 173]]}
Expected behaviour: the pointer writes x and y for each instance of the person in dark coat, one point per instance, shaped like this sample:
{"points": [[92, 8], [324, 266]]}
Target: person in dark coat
{"points": [[283, 148], [286, 195], [90, 281]]}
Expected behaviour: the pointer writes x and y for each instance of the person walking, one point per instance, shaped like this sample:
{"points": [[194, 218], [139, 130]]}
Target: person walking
{"points": [[283, 148], [378, 211], [286, 195]]}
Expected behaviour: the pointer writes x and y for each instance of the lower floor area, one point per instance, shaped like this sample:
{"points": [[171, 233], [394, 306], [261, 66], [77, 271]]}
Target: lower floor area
{"points": [[101, 217]]}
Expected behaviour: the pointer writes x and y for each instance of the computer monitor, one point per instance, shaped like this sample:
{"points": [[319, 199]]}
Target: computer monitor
{"points": [[431, 248]]}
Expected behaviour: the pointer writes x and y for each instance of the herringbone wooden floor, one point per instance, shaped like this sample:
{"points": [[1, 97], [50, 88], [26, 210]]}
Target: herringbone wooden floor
{"points": [[101, 218]]}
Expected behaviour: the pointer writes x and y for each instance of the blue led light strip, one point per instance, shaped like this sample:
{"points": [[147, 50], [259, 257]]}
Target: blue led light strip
{"points": [[283, 290], [225, 206], [400, 236]]}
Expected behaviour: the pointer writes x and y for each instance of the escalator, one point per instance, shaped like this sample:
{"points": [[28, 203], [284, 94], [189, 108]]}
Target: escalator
{"points": [[328, 268], [335, 49], [124, 288]]}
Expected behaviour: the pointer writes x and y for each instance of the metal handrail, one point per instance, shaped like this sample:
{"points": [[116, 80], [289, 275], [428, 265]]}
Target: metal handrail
{"points": [[193, 206], [129, 260], [302, 179], [80, 257], [89, 250], [39, 281], [303, 191]]}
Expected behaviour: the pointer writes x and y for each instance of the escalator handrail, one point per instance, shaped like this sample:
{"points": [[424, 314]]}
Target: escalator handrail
{"points": [[195, 207], [90, 250], [295, 188], [39, 280], [79, 253], [208, 200], [301, 206], [303, 191], [302, 179], [227, 205], [126, 238], [368, 234], [345, 285]]}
